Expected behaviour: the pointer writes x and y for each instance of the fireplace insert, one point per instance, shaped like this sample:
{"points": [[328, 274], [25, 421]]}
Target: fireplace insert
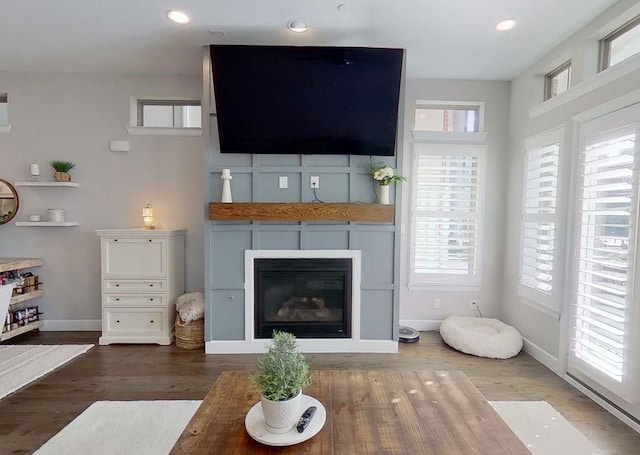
{"points": [[310, 298]]}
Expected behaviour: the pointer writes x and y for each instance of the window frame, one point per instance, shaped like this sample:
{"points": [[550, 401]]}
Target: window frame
{"points": [[4, 99], [459, 282], [604, 58], [135, 107], [548, 78], [142, 103], [479, 107], [546, 302]]}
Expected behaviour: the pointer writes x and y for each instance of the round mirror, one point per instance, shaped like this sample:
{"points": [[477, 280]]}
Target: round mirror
{"points": [[8, 201]]}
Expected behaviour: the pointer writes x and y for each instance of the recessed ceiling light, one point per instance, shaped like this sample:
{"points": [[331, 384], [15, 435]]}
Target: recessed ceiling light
{"points": [[178, 17], [505, 25], [297, 26]]}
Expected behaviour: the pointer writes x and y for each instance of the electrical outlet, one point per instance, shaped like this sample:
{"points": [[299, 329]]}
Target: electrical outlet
{"points": [[472, 305], [315, 181], [283, 182], [436, 303]]}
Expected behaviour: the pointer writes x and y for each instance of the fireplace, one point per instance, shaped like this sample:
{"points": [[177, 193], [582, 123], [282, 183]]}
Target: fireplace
{"points": [[309, 297]]}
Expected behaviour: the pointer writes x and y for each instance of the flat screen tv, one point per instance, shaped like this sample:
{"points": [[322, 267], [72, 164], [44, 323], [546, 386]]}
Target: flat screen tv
{"points": [[307, 100]]}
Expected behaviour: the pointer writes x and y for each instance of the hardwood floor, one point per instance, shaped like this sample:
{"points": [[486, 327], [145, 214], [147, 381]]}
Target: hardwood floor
{"points": [[29, 417]]}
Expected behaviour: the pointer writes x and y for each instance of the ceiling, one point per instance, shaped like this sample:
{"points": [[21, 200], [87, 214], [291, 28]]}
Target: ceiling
{"points": [[447, 39]]}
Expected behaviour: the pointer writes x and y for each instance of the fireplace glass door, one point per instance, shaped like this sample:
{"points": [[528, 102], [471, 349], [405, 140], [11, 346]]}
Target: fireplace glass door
{"points": [[310, 298]]}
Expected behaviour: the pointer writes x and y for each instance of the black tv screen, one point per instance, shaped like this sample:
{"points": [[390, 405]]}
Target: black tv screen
{"points": [[307, 100]]}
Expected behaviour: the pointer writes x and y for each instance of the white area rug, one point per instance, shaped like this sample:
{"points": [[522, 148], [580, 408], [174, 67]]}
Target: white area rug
{"points": [[123, 427], [153, 427], [21, 364], [543, 429]]}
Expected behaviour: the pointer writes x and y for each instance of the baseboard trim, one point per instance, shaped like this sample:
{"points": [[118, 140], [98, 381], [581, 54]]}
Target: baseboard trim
{"points": [[603, 403], [72, 325], [307, 346], [422, 325], [542, 356]]}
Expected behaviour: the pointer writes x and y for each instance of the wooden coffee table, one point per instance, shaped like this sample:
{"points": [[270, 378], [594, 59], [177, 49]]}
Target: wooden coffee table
{"points": [[368, 412]]}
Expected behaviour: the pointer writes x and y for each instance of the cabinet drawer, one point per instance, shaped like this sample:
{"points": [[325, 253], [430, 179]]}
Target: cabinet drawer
{"points": [[141, 321], [135, 285], [135, 300]]}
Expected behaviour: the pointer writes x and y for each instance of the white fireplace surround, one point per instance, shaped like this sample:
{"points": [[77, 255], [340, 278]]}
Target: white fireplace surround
{"points": [[307, 345]]}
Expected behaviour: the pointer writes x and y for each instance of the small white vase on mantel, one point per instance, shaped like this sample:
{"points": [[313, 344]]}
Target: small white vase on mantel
{"points": [[383, 194]]}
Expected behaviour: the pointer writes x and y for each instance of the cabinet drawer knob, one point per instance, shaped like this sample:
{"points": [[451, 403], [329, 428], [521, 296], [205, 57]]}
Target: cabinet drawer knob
{"points": [[117, 285], [151, 300], [118, 299], [151, 285], [151, 241], [118, 321], [152, 321], [115, 240]]}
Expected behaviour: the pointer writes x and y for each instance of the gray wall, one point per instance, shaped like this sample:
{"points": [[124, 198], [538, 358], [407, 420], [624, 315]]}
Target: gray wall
{"points": [[73, 117]]}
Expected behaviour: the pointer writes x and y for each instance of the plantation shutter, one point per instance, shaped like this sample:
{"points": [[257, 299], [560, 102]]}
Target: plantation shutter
{"points": [[539, 219], [605, 255], [446, 221]]}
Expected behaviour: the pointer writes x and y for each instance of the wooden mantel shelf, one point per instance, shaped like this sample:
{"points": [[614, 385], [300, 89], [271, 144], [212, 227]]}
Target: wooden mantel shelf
{"points": [[300, 211]]}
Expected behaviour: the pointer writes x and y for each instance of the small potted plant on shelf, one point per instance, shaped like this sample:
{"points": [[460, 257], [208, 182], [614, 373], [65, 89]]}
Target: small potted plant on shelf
{"points": [[280, 376], [62, 169]]}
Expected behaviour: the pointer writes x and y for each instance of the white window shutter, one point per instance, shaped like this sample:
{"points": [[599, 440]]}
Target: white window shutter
{"points": [[538, 232], [446, 225], [606, 242]]}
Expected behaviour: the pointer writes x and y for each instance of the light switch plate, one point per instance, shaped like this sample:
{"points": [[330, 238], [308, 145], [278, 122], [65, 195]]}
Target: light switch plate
{"points": [[283, 181]]}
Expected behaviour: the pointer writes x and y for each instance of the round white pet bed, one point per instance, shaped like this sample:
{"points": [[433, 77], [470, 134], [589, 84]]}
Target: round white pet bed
{"points": [[483, 337]]}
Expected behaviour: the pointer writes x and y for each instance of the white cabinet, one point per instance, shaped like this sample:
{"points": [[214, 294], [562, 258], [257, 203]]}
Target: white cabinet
{"points": [[142, 274]]}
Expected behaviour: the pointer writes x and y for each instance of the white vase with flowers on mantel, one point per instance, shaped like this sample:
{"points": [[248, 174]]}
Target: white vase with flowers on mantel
{"points": [[384, 175]]}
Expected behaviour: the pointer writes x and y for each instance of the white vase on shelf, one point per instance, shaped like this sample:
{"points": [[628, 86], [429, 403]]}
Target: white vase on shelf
{"points": [[226, 185], [383, 194]]}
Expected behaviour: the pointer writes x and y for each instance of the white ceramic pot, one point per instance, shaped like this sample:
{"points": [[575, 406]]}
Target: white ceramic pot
{"points": [[281, 416]]}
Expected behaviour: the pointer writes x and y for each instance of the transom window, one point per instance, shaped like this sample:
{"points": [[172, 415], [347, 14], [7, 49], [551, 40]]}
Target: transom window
{"points": [[621, 44], [447, 117], [169, 114], [557, 81], [4, 115]]}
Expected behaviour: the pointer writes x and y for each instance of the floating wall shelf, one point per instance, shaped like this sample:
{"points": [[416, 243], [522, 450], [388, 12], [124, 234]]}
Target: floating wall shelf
{"points": [[47, 223], [68, 184], [283, 211]]}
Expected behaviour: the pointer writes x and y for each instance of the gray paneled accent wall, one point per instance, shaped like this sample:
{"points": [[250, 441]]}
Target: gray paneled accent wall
{"points": [[255, 179]]}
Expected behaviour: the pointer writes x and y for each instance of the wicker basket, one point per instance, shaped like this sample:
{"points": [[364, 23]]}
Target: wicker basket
{"points": [[189, 335]]}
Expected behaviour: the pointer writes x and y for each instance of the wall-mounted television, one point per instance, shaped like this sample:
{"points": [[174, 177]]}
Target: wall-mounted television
{"points": [[307, 100]]}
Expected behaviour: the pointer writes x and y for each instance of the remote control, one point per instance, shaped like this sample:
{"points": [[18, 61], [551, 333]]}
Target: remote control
{"points": [[305, 418]]}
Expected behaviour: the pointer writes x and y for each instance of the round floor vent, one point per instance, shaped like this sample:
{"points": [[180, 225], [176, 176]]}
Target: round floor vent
{"points": [[408, 335]]}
